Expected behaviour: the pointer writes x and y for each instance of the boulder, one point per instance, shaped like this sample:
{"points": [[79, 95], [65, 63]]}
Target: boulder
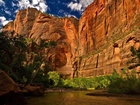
{"points": [[33, 90], [10, 93]]}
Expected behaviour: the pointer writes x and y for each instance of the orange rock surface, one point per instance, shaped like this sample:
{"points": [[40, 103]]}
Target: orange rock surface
{"points": [[104, 23], [64, 31], [100, 38]]}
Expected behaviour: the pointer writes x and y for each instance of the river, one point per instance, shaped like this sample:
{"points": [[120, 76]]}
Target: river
{"points": [[80, 98]]}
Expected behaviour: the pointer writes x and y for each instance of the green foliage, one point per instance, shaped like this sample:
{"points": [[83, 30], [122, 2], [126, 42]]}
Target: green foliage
{"points": [[54, 77], [52, 43], [12, 53], [135, 54], [41, 78], [103, 81], [24, 79], [116, 83], [20, 57], [86, 83], [127, 83]]}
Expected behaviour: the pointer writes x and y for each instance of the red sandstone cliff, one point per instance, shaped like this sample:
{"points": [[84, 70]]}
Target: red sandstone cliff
{"points": [[64, 31], [104, 20], [100, 39], [104, 30]]}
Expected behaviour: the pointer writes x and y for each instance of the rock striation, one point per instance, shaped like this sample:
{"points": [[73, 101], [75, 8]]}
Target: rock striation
{"points": [[94, 45], [104, 29], [37, 25], [104, 21]]}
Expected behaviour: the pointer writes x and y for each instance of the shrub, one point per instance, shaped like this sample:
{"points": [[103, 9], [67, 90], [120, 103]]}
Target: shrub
{"points": [[126, 83], [86, 83], [54, 77]]}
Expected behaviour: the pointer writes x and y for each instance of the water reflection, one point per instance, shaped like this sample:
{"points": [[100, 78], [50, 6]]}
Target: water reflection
{"points": [[80, 98]]}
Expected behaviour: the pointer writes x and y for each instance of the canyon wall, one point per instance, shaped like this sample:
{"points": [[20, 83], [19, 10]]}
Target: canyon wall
{"points": [[105, 30], [37, 25], [104, 20], [96, 44]]}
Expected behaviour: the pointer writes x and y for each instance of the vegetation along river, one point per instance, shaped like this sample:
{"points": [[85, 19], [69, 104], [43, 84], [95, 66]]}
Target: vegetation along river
{"points": [[81, 98]]}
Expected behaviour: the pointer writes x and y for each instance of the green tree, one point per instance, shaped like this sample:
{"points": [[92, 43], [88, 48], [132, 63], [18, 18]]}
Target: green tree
{"points": [[22, 58]]}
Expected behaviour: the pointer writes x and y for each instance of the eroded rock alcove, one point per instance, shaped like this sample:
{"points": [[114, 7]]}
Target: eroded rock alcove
{"points": [[96, 44]]}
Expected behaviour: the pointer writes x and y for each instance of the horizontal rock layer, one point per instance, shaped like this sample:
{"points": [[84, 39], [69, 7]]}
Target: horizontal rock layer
{"points": [[94, 45], [104, 29]]}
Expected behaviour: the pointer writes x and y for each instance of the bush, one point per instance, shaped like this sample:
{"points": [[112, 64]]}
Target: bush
{"points": [[54, 78], [41, 79], [86, 83], [126, 83]]}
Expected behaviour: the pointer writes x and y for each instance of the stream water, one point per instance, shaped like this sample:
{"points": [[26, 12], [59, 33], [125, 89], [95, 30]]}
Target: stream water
{"points": [[80, 98]]}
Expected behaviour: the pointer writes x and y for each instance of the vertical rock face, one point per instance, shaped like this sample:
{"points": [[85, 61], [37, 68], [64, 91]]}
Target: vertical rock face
{"points": [[102, 38], [105, 20], [104, 29], [114, 57], [36, 25]]}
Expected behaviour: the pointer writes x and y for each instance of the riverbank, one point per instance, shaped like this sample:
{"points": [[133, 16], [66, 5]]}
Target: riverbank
{"points": [[98, 92], [107, 94], [47, 90], [72, 97]]}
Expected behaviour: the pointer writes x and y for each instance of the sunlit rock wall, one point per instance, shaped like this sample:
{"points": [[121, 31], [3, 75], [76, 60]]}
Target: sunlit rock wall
{"points": [[96, 44], [104, 29]]}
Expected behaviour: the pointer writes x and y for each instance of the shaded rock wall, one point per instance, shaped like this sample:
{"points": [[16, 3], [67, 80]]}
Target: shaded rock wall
{"points": [[64, 31], [101, 38]]}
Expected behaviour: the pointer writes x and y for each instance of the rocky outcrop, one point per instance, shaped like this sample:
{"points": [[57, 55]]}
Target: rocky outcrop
{"points": [[99, 43], [115, 56], [104, 29], [64, 31], [104, 21], [10, 94], [29, 90]]}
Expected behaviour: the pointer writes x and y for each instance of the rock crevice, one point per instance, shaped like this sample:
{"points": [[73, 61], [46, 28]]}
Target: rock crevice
{"points": [[93, 38]]}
